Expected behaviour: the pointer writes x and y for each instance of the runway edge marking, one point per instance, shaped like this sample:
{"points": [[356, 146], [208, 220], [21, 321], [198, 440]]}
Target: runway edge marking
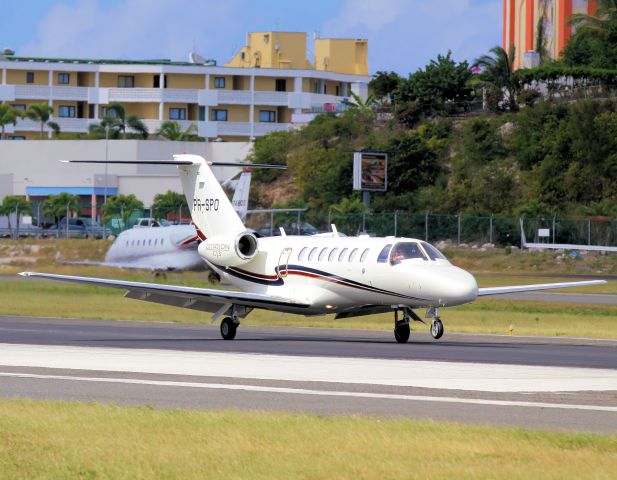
{"points": [[301, 391]]}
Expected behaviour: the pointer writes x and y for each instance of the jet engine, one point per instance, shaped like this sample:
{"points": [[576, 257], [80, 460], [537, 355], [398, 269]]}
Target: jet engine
{"points": [[228, 251]]}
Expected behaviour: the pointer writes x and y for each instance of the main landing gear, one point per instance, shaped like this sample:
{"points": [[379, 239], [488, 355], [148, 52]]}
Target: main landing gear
{"points": [[402, 329], [228, 328]]}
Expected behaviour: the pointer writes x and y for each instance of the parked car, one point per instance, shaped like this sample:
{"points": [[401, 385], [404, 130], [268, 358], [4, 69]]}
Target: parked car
{"points": [[80, 227], [151, 222], [291, 228]]}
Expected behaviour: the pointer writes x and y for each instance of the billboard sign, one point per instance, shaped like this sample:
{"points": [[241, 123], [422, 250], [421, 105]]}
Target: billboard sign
{"points": [[370, 171]]}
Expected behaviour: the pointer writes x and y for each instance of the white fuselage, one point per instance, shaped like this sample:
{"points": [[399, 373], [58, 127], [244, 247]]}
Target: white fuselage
{"points": [[156, 248], [335, 273]]}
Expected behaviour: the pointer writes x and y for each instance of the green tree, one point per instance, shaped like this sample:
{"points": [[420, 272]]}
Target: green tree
{"points": [[58, 206], [499, 76], [41, 113], [8, 115], [169, 202], [116, 123], [122, 206], [271, 149], [172, 131], [14, 204], [356, 102], [383, 84], [441, 88]]}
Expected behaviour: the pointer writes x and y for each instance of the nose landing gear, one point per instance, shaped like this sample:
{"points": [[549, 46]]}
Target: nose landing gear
{"points": [[436, 325]]}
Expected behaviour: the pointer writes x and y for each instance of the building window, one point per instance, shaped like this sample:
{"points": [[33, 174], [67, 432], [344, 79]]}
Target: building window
{"points": [[18, 137], [219, 82], [126, 81], [19, 106], [338, 91], [315, 87], [66, 111], [267, 116], [266, 38], [242, 55], [177, 113], [218, 115], [29, 77], [325, 89], [280, 85], [64, 78], [108, 112], [157, 81], [202, 114]]}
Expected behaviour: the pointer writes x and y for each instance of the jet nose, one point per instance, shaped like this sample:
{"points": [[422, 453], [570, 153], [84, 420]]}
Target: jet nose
{"points": [[461, 287]]}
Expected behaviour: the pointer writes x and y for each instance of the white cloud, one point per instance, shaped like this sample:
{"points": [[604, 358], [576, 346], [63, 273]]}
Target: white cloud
{"points": [[136, 29], [405, 34]]}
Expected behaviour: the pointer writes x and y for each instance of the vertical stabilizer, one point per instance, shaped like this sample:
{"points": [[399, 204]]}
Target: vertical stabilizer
{"points": [[211, 210], [240, 200]]}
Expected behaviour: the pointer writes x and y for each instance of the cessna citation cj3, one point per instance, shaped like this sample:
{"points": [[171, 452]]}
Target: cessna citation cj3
{"points": [[344, 276]]}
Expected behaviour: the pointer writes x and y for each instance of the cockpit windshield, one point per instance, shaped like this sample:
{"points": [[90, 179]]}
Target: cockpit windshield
{"points": [[406, 251], [432, 252]]}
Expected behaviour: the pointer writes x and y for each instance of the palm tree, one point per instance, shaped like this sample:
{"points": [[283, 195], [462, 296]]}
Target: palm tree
{"points": [[8, 115], [498, 73], [18, 205], [40, 112], [117, 120], [61, 205], [121, 205], [171, 130], [54, 127], [169, 202], [362, 105], [598, 23]]}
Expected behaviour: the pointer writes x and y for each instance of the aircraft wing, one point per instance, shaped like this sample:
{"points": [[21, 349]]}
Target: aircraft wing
{"points": [[204, 299], [530, 288]]}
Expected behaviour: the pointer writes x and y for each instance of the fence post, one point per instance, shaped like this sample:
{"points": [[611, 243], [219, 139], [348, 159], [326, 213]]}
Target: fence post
{"points": [[364, 222], [426, 226], [271, 223], [38, 220], [589, 231], [66, 228], [458, 234], [298, 223], [395, 223], [554, 241], [490, 231]]}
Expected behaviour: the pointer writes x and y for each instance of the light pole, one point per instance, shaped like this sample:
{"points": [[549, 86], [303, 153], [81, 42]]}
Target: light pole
{"points": [[106, 152]]}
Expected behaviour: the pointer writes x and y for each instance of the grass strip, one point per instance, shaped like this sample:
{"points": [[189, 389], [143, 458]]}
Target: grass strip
{"points": [[49, 439]]}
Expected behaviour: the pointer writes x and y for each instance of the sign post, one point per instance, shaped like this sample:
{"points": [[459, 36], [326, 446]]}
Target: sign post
{"points": [[370, 173]]}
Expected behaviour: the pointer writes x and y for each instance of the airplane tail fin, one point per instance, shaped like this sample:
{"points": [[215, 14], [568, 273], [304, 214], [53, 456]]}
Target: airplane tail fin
{"points": [[211, 210], [240, 200]]}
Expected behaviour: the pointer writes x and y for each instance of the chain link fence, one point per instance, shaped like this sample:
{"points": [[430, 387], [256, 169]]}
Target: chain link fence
{"points": [[454, 230]]}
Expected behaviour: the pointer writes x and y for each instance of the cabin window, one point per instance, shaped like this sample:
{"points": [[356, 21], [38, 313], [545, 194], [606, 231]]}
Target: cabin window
{"points": [[353, 254], [364, 255], [162, 241], [312, 254], [127, 243], [301, 254], [149, 242], [341, 257], [383, 255], [432, 252], [406, 251], [332, 255], [322, 254]]}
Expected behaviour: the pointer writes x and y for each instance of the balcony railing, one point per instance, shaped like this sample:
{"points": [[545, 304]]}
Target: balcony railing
{"points": [[74, 125]]}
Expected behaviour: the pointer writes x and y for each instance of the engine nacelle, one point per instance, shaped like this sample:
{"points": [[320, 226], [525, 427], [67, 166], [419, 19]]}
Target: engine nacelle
{"points": [[229, 251]]}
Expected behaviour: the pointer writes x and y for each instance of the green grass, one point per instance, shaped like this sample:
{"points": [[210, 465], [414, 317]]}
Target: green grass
{"points": [[72, 440], [34, 298]]}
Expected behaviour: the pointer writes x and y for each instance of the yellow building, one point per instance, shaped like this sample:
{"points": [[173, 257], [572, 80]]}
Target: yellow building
{"points": [[269, 85]]}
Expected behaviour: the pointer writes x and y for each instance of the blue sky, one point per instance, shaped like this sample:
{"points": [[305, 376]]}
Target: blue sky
{"points": [[403, 35]]}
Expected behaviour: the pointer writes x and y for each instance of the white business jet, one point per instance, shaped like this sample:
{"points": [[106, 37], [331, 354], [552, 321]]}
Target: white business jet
{"points": [[345, 276], [172, 247]]}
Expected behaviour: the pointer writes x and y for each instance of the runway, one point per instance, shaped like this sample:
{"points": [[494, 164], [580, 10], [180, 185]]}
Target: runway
{"points": [[536, 382]]}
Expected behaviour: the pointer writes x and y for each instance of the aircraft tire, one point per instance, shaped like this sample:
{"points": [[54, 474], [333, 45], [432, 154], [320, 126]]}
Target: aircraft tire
{"points": [[228, 329], [401, 333], [436, 329]]}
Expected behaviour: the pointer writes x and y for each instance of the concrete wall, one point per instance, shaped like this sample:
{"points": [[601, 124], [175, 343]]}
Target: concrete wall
{"points": [[36, 163]]}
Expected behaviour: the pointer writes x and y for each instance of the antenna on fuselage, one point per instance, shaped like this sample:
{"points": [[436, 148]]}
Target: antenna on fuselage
{"points": [[283, 233], [334, 230]]}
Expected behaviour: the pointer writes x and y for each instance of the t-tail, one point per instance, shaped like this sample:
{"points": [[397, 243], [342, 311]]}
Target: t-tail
{"points": [[240, 200]]}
